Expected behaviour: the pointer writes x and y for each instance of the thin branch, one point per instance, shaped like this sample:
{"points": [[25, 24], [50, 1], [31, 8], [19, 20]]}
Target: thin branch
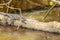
{"points": [[20, 16], [49, 11], [9, 2], [58, 2], [15, 8], [7, 10], [6, 3], [10, 7]]}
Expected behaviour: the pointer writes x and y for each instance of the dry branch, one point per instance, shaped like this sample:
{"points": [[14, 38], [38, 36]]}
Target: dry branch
{"points": [[7, 5], [56, 2], [49, 11]]}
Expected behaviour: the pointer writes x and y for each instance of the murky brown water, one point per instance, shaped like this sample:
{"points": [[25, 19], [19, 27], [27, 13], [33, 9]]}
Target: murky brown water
{"points": [[10, 33], [54, 15]]}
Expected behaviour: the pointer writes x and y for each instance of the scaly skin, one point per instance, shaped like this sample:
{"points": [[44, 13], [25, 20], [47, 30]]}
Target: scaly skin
{"points": [[32, 24]]}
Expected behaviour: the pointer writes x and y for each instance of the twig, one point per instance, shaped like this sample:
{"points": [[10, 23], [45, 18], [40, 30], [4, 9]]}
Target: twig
{"points": [[7, 10], [49, 11], [58, 2], [7, 5]]}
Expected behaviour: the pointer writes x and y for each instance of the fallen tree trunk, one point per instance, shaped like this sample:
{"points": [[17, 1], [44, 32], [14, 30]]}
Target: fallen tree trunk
{"points": [[13, 19]]}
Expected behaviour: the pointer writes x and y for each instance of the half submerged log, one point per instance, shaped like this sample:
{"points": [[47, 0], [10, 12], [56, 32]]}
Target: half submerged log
{"points": [[13, 19]]}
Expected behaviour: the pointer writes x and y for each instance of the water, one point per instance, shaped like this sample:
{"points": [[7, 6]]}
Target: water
{"points": [[10, 33]]}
